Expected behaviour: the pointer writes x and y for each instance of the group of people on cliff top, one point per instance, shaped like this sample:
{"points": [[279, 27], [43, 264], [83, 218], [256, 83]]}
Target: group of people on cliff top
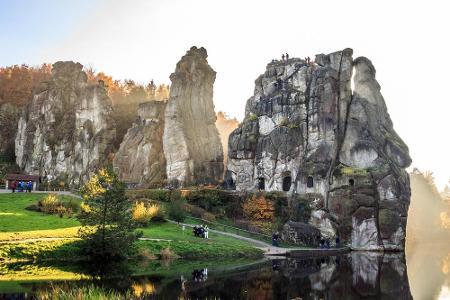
{"points": [[201, 231], [285, 58], [22, 186]]}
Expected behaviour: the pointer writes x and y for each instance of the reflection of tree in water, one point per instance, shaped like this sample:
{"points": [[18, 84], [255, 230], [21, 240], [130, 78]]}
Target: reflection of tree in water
{"points": [[260, 287], [446, 264]]}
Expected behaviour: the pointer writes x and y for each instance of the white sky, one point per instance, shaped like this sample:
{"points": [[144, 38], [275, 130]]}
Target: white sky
{"points": [[408, 42]]}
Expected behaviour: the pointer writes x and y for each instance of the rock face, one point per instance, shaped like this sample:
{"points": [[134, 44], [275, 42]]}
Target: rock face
{"points": [[322, 129], [191, 141], [66, 131], [176, 141], [140, 159], [300, 233]]}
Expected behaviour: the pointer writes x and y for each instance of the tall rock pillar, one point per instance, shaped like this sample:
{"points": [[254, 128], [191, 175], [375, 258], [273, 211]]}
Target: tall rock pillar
{"points": [[191, 140]]}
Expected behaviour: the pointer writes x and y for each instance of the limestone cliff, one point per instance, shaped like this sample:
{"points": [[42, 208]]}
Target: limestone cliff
{"points": [[307, 131], [66, 131], [140, 159], [191, 141]]}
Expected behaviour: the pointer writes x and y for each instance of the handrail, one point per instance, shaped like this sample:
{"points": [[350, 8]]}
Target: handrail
{"points": [[232, 227]]}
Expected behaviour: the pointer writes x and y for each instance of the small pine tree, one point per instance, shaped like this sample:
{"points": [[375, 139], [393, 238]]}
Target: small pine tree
{"points": [[108, 230]]}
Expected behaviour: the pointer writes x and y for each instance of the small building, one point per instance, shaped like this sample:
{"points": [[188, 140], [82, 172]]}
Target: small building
{"points": [[21, 177]]}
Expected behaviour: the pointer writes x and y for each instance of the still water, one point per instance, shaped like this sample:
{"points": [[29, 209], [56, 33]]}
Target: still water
{"points": [[358, 275]]}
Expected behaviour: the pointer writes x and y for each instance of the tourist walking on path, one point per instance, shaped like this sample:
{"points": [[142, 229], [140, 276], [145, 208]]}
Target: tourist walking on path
{"points": [[13, 186], [29, 186], [275, 238], [206, 232], [21, 186]]}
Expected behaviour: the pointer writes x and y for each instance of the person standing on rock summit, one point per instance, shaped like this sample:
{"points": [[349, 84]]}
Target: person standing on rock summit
{"points": [[282, 57], [287, 57]]}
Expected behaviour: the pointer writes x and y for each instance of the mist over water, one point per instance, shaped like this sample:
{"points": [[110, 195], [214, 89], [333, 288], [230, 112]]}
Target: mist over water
{"points": [[428, 240]]}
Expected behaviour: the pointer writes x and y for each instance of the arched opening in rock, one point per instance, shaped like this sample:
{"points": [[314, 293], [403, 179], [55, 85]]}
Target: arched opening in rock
{"points": [[310, 182], [351, 182], [261, 184], [287, 182]]}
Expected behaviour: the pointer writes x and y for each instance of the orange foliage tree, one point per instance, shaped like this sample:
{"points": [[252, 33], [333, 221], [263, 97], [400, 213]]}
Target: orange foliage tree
{"points": [[258, 208], [18, 82]]}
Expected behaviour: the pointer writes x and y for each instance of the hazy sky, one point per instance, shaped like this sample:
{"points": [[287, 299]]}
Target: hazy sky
{"points": [[408, 42]]}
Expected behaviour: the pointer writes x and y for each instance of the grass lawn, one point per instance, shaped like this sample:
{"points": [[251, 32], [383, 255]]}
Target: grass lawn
{"points": [[17, 223]]}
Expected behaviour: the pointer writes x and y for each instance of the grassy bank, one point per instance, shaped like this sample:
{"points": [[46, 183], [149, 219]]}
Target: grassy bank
{"points": [[18, 223]]}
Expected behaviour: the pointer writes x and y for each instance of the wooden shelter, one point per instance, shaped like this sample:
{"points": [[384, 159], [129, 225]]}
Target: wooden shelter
{"points": [[21, 177]]}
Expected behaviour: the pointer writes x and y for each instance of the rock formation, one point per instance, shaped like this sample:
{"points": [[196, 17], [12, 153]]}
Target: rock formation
{"points": [[140, 159], [176, 140], [225, 125], [321, 129], [67, 130], [191, 141]]}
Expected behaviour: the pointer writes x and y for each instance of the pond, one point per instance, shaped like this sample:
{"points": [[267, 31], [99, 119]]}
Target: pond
{"points": [[358, 275]]}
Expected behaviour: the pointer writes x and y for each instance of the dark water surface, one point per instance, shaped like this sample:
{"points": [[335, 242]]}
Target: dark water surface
{"points": [[358, 275]]}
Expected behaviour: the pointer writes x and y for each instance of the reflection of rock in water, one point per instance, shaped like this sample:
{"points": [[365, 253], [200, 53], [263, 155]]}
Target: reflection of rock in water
{"points": [[359, 275]]}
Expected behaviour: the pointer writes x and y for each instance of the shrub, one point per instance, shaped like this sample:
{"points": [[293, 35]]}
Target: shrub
{"points": [[258, 208], [49, 204], [33, 207], [260, 211], [167, 253], [159, 216], [208, 217], [176, 210], [253, 117], [143, 214], [146, 254]]}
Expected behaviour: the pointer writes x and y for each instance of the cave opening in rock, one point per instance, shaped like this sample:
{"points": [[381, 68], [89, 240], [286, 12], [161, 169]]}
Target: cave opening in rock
{"points": [[351, 182], [287, 182], [310, 182], [261, 184]]}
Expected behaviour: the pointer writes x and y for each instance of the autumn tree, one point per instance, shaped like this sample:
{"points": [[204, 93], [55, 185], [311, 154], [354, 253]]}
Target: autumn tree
{"points": [[108, 230], [260, 211], [18, 82]]}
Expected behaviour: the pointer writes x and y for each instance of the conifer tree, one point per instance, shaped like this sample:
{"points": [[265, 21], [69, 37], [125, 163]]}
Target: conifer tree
{"points": [[108, 230]]}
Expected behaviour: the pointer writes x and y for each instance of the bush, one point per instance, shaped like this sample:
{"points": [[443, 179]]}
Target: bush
{"points": [[168, 254], [176, 210], [33, 207], [49, 204], [153, 194], [143, 214], [208, 217]]}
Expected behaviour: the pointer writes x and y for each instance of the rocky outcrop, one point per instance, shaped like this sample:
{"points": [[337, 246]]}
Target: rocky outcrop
{"points": [[140, 159], [191, 141], [300, 234], [67, 130], [176, 140], [321, 129]]}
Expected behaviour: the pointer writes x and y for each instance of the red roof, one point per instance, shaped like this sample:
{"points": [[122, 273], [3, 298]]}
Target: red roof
{"points": [[23, 177]]}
